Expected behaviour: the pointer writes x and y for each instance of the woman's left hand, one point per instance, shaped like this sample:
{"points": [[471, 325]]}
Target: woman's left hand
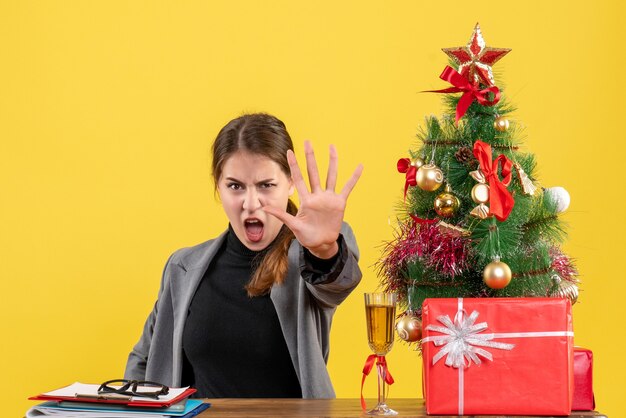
{"points": [[318, 221]]}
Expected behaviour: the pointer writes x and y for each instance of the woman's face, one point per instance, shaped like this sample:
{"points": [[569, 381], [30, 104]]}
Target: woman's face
{"points": [[249, 182]]}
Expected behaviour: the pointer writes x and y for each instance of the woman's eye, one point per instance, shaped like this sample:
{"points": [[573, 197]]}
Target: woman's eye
{"points": [[234, 186], [267, 185]]}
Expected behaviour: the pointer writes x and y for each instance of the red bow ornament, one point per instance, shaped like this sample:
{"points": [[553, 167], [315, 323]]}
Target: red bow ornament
{"points": [[381, 362], [405, 166], [501, 201], [470, 91]]}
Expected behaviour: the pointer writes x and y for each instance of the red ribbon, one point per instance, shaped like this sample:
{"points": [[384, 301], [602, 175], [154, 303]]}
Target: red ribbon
{"points": [[369, 363], [470, 91], [501, 201], [404, 166]]}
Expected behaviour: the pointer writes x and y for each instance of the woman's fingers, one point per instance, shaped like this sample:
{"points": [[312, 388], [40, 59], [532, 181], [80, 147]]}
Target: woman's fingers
{"points": [[296, 174], [347, 188], [311, 167], [282, 215], [314, 179], [331, 177]]}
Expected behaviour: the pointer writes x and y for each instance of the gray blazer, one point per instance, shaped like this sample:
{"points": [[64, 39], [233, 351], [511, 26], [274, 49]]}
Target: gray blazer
{"points": [[304, 310]]}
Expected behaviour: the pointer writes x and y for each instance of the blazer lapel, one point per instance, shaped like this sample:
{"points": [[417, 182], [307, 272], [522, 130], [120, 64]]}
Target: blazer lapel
{"points": [[183, 290]]}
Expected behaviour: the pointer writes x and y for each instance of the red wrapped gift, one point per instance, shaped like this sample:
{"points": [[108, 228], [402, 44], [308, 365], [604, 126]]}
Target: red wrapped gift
{"points": [[498, 356], [583, 380]]}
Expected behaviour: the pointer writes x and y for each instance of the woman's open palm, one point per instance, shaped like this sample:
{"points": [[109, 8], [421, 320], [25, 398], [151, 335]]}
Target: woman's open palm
{"points": [[318, 221]]}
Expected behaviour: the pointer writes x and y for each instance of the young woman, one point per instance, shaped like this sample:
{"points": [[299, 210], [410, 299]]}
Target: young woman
{"points": [[248, 314]]}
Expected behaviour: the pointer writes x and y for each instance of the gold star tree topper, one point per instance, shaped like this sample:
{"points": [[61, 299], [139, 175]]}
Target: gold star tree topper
{"points": [[475, 59]]}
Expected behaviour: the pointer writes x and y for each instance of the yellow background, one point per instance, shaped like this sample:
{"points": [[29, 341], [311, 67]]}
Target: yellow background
{"points": [[108, 109]]}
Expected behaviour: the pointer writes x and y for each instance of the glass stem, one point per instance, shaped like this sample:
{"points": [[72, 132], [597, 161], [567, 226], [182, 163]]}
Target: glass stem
{"points": [[381, 384]]}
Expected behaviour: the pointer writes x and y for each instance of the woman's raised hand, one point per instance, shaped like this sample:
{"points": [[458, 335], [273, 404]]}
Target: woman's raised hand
{"points": [[318, 221]]}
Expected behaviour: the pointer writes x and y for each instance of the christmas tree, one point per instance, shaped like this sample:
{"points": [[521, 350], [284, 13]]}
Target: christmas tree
{"points": [[474, 220]]}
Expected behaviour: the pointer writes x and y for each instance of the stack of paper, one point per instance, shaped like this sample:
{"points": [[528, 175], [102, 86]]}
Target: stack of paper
{"points": [[53, 409], [83, 400]]}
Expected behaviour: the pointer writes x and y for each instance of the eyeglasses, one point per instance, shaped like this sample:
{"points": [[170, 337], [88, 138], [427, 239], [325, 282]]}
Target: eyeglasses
{"points": [[134, 388]]}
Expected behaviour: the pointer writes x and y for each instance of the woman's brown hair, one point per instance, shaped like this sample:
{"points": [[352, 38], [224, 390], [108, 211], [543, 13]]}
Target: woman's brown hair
{"points": [[266, 135]]}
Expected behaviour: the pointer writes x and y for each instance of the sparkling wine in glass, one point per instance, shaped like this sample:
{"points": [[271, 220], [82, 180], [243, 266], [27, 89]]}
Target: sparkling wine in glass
{"points": [[380, 313]]}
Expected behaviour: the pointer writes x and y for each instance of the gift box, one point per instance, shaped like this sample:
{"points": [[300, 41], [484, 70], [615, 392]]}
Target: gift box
{"points": [[498, 356], [583, 399]]}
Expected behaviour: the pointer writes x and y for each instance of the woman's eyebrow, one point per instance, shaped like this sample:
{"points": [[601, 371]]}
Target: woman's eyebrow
{"points": [[268, 180]]}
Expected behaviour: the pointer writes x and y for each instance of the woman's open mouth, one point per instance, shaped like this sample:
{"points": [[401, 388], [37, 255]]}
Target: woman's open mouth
{"points": [[254, 229]]}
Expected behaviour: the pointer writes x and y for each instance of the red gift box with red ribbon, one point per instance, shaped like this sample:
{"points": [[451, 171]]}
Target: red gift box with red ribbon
{"points": [[583, 380], [498, 356]]}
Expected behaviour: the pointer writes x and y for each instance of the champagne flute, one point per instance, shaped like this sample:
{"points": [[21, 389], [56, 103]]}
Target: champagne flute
{"points": [[380, 313]]}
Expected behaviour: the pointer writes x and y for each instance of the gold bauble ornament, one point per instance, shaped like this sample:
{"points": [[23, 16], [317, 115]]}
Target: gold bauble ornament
{"points": [[447, 204], [417, 162], [409, 328], [480, 193], [429, 177], [501, 124], [497, 274]]}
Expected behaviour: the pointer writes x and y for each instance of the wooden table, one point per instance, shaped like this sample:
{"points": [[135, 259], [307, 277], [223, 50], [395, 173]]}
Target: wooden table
{"points": [[330, 408]]}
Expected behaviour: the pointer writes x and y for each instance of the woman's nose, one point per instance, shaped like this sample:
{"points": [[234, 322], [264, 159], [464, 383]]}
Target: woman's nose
{"points": [[251, 200]]}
